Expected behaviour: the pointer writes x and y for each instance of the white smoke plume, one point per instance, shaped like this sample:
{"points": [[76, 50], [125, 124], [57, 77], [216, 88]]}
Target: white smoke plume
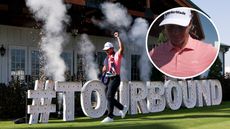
{"points": [[116, 16], [137, 35], [86, 49], [53, 15]]}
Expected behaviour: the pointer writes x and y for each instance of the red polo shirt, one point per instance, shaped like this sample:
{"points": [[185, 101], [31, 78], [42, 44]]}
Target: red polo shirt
{"points": [[116, 59], [194, 58]]}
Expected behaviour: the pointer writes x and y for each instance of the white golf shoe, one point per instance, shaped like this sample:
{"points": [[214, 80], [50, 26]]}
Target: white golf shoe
{"points": [[123, 112], [107, 120]]}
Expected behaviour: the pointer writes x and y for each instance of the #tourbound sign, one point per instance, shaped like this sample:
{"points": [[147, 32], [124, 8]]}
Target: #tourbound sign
{"points": [[140, 97]]}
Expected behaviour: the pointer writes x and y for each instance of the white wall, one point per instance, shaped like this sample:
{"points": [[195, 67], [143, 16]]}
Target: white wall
{"points": [[28, 39]]}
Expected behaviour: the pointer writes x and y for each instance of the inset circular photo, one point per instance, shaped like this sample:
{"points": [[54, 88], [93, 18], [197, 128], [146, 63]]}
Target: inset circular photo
{"points": [[182, 42]]}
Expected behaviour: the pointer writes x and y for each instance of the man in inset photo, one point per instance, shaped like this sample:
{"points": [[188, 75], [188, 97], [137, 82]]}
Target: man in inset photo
{"points": [[181, 55]]}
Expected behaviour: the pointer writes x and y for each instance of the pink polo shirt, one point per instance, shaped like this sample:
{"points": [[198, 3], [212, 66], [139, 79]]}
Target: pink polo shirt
{"points": [[117, 61], [195, 57]]}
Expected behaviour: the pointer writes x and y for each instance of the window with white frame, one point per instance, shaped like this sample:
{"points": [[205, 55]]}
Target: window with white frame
{"points": [[135, 73], [80, 68], [35, 65], [100, 60], [17, 59], [67, 57]]}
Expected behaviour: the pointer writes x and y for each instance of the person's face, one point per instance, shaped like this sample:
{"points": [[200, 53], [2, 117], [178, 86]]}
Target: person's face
{"points": [[109, 51], [177, 34]]}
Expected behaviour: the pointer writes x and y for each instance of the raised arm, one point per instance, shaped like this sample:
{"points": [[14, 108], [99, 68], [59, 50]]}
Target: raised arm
{"points": [[121, 46]]}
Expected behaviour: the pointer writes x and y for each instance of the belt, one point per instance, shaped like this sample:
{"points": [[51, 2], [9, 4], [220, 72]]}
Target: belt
{"points": [[115, 76]]}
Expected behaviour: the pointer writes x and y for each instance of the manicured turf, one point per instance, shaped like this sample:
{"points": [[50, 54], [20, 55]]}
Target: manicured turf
{"points": [[215, 117]]}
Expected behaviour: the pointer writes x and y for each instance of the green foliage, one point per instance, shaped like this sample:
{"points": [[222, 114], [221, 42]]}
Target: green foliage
{"points": [[215, 70], [162, 38], [225, 83], [13, 100], [156, 75]]}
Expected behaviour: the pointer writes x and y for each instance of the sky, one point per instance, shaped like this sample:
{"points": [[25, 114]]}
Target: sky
{"points": [[208, 29], [219, 10]]}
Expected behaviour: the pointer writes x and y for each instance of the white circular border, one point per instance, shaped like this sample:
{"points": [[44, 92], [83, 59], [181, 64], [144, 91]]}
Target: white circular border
{"points": [[146, 43]]}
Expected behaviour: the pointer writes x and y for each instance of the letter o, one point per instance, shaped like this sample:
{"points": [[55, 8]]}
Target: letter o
{"points": [[173, 88], [88, 88]]}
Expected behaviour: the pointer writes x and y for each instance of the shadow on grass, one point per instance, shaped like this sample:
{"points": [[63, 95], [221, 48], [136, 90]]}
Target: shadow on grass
{"points": [[139, 121], [185, 113], [188, 117], [113, 126]]}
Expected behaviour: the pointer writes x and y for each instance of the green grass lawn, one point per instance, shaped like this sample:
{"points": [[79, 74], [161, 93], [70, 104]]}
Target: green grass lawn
{"points": [[214, 117]]}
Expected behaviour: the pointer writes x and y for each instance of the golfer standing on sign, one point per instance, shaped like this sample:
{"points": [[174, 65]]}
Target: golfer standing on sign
{"points": [[112, 64]]}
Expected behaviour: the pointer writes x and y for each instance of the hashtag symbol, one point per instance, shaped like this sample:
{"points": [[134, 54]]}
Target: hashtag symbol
{"points": [[41, 102]]}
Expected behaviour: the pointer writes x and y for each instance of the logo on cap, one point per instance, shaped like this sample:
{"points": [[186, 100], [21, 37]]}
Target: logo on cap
{"points": [[177, 16]]}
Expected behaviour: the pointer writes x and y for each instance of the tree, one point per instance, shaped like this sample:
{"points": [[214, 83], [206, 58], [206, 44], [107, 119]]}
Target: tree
{"points": [[216, 69], [161, 38], [156, 75]]}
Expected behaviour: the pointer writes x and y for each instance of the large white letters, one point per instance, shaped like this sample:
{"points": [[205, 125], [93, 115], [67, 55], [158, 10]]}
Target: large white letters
{"points": [[138, 92], [203, 93], [216, 92], [86, 101], [189, 93], [173, 94], [68, 89], [142, 97], [155, 98], [41, 103]]}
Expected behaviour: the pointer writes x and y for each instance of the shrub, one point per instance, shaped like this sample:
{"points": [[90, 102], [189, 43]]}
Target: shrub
{"points": [[13, 100]]}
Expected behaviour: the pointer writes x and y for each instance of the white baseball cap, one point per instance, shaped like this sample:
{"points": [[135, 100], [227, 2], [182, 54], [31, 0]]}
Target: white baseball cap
{"points": [[177, 16], [107, 46]]}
